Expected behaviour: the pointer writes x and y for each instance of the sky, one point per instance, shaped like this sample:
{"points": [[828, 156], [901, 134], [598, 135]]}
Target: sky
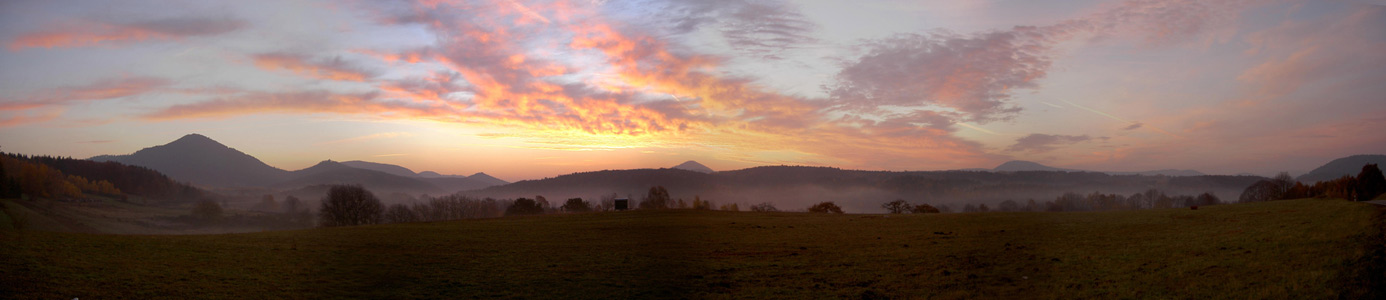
{"points": [[525, 89]]}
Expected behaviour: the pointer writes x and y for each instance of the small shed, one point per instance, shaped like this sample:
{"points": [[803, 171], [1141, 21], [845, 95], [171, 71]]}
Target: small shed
{"points": [[622, 204]]}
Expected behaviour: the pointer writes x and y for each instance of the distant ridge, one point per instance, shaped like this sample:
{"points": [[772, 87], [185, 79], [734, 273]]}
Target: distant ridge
{"points": [[200, 160], [487, 179], [331, 172], [695, 167], [387, 168], [1350, 165], [1020, 165]]}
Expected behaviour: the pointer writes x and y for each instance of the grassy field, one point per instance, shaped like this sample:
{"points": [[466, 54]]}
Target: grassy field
{"points": [[1313, 248]]}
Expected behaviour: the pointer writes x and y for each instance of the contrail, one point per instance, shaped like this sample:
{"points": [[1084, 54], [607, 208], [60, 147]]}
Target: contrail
{"points": [[528, 11], [1152, 127], [974, 127]]}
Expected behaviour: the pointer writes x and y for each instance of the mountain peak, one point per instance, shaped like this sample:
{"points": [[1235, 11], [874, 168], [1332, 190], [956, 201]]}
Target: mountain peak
{"points": [[488, 179], [695, 167], [196, 141], [201, 160]]}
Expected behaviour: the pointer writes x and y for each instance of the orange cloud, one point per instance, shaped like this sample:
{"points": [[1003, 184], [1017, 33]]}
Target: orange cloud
{"points": [[22, 118]]}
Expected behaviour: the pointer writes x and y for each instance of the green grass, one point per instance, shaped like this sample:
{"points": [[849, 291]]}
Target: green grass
{"points": [[1311, 248]]}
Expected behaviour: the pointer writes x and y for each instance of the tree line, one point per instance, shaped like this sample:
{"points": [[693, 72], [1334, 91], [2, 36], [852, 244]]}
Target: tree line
{"points": [[1068, 202], [349, 205], [1367, 185], [68, 178]]}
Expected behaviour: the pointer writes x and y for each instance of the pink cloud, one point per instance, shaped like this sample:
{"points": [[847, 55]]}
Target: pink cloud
{"points": [[329, 69], [100, 90]]}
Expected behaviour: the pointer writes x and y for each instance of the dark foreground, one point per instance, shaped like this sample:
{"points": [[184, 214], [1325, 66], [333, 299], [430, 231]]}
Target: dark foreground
{"points": [[1285, 249]]}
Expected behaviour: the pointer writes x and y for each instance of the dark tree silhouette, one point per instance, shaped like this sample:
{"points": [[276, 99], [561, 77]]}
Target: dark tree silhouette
{"points": [[1370, 183], [1207, 199], [825, 207], [657, 198], [350, 205], [1283, 183], [899, 206], [400, 213], [576, 205], [1264, 190], [524, 206], [764, 207]]}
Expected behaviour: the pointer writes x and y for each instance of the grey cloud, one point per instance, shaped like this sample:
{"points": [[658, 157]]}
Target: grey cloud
{"points": [[760, 29], [971, 74], [184, 27], [1039, 142]]}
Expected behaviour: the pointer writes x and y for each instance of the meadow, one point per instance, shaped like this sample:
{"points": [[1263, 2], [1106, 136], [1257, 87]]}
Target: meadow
{"points": [[1308, 248]]}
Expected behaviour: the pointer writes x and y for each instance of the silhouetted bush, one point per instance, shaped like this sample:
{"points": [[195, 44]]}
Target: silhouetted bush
{"points": [[924, 208], [825, 207], [524, 206], [576, 205]]}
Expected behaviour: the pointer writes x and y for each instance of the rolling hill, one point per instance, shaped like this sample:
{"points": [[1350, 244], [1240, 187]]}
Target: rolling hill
{"points": [[202, 161], [1346, 166], [1020, 165], [331, 172]]}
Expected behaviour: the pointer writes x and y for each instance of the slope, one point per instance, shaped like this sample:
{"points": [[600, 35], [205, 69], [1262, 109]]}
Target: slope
{"points": [[202, 161], [1348, 166]]}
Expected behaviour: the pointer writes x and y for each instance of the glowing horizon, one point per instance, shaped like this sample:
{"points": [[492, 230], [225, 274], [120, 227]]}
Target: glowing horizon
{"points": [[524, 89]]}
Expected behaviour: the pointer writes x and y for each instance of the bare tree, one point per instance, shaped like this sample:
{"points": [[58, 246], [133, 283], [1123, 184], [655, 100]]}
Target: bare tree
{"points": [[764, 207], [350, 205], [1264, 190], [899, 206], [400, 213]]}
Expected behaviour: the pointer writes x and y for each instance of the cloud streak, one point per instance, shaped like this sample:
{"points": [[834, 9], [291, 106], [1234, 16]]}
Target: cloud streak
{"points": [[100, 90], [87, 33], [1040, 143]]}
